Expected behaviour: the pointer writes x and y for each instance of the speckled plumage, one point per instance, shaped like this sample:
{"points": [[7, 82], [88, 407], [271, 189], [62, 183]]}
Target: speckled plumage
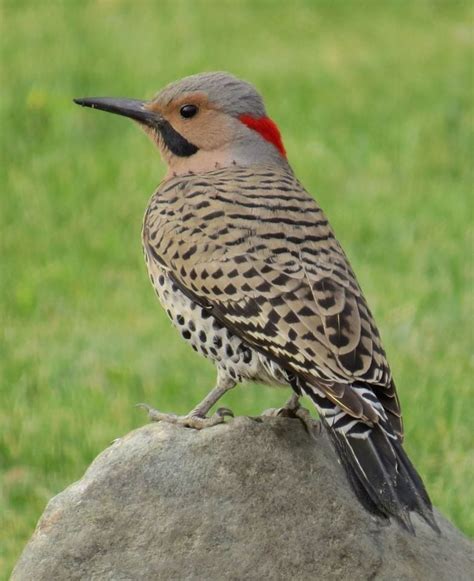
{"points": [[254, 249]]}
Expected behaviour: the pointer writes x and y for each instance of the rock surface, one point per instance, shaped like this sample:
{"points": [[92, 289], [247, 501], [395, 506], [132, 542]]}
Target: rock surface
{"points": [[247, 500]]}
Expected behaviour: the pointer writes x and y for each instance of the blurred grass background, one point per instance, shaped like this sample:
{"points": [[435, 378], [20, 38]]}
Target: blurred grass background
{"points": [[375, 103]]}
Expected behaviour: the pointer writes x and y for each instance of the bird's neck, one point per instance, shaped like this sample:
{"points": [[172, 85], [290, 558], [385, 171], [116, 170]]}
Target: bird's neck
{"points": [[246, 152], [200, 162]]}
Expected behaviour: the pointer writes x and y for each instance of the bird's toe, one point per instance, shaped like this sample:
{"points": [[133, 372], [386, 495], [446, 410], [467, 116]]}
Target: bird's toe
{"points": [[191, 420]]}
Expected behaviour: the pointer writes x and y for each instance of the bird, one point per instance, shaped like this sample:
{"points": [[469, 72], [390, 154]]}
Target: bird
{"points": [[250, 272]]}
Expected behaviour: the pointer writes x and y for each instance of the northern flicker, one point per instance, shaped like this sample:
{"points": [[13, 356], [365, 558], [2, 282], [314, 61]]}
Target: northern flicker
{"points": [[249, 271]]}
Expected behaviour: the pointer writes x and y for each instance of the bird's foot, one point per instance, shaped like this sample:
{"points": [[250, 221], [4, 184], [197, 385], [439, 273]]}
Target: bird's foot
{"points": [[191, 420], [293, 409]]}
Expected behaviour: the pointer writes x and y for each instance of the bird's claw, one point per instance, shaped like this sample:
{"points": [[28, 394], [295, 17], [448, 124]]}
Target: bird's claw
{"points": [[283, 412], [296, 412], [191, 420]]}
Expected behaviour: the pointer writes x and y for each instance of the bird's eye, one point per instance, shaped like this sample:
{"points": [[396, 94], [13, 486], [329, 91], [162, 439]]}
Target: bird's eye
{"points": [[188, 111]]}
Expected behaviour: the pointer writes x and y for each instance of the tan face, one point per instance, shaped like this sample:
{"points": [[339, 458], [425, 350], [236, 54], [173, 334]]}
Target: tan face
{"points": [[197, 120]]}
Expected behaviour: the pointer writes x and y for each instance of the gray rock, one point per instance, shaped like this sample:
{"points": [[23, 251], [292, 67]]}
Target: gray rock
{"points": [[245, 500]]}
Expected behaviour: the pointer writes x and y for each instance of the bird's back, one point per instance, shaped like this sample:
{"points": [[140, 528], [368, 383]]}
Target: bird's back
{"points": [[253, 245]]}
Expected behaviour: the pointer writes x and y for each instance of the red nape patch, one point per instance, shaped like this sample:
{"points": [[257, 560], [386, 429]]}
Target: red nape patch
{"points": [[267, 128]]}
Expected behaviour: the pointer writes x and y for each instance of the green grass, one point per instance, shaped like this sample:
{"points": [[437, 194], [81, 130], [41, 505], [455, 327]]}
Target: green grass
{"points": [[375, 103]]}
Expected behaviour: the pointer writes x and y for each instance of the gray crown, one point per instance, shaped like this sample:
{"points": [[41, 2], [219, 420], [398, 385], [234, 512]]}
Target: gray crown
{"points": [[228, 93]]}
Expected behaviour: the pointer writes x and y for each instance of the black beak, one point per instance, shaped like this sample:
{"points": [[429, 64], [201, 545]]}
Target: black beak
{"points": [[138, 111], [132, 108]]}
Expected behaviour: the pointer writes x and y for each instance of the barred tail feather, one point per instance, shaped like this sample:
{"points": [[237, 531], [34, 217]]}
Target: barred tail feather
{"points": [[376, 465]]}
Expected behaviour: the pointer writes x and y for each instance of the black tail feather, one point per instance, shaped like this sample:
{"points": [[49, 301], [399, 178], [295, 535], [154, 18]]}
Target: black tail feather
{"points": [[382, 476]]}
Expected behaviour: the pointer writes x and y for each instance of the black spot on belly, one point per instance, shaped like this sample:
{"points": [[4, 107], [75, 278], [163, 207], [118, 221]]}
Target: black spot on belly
{"points": [[192, 326], [229, 351], [217, 341], [202, 336], [247, 356], [161, 280], [186, 334], [180, 320]]}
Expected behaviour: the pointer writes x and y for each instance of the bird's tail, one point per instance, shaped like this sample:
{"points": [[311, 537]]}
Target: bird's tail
{"points": [[376, 465]]}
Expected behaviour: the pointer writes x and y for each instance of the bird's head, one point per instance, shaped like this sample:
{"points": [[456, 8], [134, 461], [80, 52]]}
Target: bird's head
{"points": [[202, 122]]}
